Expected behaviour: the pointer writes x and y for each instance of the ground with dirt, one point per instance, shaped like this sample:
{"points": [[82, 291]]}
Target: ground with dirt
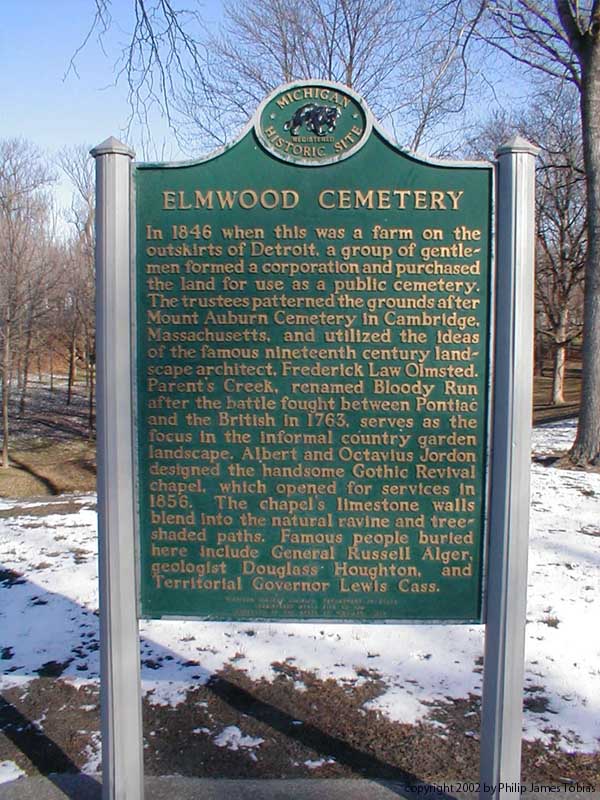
{"points": [[277, 731], [51, 449]]}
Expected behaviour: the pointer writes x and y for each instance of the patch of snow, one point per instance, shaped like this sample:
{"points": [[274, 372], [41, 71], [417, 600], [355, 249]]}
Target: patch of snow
{"points": [[233, 739], [320, 762], [165, 692], [9, 771], [93, 755], [553, 437]]}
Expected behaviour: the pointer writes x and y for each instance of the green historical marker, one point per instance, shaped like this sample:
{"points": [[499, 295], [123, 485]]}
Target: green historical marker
{"points": [[312, 373]]}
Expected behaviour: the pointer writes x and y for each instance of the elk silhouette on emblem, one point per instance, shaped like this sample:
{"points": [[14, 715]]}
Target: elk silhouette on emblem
{"points": [[317, 119]]}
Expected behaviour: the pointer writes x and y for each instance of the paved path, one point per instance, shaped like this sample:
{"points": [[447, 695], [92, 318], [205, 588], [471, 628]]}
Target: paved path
{"points": [[85, 787]]}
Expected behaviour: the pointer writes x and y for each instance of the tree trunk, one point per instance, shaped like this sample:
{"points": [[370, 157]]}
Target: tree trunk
{"points": [[26, 364], [5, 394], [17, 356], [51, 370], [560, 359], [87, 355], [72, 357], [91, 414], [586, 449], [539, 352]]}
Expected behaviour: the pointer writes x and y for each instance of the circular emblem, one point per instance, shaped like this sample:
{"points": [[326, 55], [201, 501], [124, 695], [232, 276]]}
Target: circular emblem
{"points": [[312, 123]]}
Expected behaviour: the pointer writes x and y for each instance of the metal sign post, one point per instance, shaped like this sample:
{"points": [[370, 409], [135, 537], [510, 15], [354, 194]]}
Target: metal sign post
{"points": [[506, 593], [121, 719]]}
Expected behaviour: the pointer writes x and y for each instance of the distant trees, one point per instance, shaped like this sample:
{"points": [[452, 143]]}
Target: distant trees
{"points": [[561, 232], [79, 313], [28, 263], [46, 277]]}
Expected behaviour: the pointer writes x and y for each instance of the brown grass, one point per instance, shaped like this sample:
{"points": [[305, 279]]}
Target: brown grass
{"points": [[47, 467]]}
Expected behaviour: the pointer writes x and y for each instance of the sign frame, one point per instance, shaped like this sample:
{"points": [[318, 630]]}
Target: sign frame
{"points": [[508, 478], [371, 127]]}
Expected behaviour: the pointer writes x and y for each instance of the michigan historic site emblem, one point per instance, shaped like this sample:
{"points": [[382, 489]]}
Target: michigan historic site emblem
{"points": [[313, 123]]}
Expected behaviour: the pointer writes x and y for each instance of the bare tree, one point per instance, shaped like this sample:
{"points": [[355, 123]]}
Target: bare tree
{"points": [[165, 53], [412, 80], [561, 40], [263, 44], [78, 311], [561, 232], [44, 276], [561, 240], [23, 271], [414, 75]]}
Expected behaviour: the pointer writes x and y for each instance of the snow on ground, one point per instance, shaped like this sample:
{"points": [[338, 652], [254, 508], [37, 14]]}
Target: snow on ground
{"points": [[9, 771], [232, 738], [49, 624], [320, 762]]}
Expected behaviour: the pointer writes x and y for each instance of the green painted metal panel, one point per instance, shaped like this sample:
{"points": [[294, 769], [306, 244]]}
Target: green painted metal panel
{"points": [[312, 370]]}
